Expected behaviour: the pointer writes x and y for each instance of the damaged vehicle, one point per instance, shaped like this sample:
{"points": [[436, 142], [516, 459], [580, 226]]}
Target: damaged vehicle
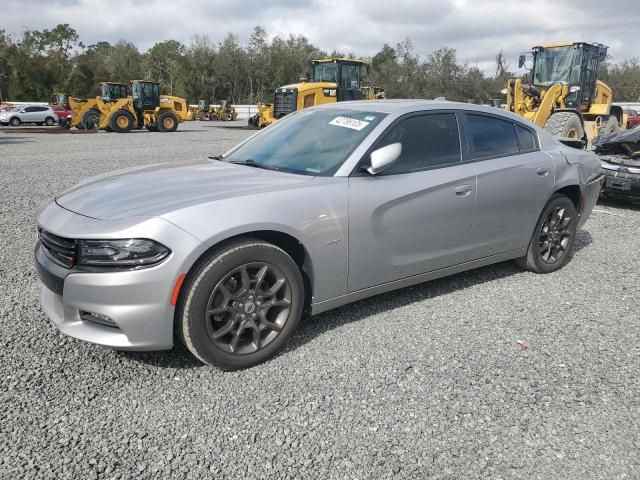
{"points": [[620, 159], [327, 206]]}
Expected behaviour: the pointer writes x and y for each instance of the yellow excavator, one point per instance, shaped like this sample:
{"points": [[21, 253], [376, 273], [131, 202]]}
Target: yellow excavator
{"points": [[562, 93], [332, 80], [116, 111]]}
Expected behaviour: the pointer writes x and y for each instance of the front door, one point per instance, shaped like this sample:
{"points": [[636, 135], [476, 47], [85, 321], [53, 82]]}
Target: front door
{"points": [[416, 216]]}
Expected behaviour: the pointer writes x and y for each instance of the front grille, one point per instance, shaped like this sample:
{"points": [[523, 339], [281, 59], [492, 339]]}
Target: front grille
{"points": [[60, 250], [284, 102]]}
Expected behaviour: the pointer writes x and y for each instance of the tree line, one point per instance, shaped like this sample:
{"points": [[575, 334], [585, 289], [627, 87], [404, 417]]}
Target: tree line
{"points": [[39, 63]]}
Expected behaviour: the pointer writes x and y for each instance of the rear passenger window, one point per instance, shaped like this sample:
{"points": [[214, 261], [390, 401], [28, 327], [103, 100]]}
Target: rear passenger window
{"points": [[525, 139], [427, 141], [491, 136]]}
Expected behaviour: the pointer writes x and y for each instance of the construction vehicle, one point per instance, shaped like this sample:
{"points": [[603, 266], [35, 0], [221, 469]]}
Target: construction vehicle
{"points": [[562, 93], [203, 111], [331, 80], [226, 111], [84, 111], [371, 92], [144, 108]]}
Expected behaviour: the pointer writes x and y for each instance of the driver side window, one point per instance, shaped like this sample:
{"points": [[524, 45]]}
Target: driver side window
{"points": [[428, 141]]}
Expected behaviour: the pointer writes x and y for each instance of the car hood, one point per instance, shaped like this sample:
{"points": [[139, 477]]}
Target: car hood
{"points": [[157, 189]]}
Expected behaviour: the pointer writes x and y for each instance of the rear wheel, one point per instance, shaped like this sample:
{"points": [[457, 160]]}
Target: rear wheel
{"points": [[121, 121], [14, 122], [203, 117], [553, 237], [49, 121], [241, 305], [167, 122], [90, 119], [565, 124]]}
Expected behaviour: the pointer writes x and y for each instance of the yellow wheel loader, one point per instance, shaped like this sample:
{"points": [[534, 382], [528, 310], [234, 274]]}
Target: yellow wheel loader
{"points": [[225, 112], [145, 108], [85, 111], [562, 93], [332, 80]]}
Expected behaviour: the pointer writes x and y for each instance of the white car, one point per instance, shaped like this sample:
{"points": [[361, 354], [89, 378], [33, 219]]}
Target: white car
{"points": [[38, 114]]}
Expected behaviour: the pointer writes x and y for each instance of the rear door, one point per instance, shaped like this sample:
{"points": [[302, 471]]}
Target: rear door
{"points": [[416, 216], [515, 180], [40, 114]]}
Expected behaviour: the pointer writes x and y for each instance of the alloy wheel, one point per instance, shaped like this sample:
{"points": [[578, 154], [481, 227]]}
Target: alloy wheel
{"points": [[555, 235], [248, 308]]}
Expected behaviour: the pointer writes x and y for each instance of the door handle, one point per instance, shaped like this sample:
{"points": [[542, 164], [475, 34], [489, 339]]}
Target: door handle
{"points": [[463, 190], [543, 171]]}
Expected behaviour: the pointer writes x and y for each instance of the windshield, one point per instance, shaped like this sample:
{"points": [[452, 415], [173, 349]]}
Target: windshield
{"points": [[308, 142], [325, 72], [557, 65]]}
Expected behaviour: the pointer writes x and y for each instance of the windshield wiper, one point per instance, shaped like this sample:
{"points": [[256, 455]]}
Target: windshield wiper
{"points": [[253, 163], [215, 157]]}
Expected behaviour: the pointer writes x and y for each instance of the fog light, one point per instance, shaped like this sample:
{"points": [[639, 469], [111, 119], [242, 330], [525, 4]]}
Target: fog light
{"points": [[97, 318]]}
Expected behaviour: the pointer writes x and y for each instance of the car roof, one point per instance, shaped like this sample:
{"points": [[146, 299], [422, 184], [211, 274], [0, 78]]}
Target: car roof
{"points": [[402, 106]]}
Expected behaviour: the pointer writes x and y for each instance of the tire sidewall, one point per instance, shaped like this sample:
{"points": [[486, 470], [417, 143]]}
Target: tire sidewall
{"points": [[534, 248], [160, 122], [14, 122], [113, 121], [200, 285], [49, 121]]}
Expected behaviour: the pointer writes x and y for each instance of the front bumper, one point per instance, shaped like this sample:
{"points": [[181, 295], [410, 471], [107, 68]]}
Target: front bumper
{"points": [[621, 180], [138, 302]]}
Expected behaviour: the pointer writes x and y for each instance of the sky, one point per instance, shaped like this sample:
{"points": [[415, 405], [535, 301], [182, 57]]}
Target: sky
{"points": [[476, 29]]}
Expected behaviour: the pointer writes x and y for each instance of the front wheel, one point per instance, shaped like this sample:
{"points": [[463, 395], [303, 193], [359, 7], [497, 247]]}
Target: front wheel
{"points": [[14, 122], [241, 305], [553, 237]]}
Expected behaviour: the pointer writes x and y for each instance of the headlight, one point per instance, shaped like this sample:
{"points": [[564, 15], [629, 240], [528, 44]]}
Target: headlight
{"points": [[131, 252]]}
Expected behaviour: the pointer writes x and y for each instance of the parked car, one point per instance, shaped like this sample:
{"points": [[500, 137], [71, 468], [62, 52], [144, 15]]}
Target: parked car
{"points": [[618, 154], [633, 118], [30, 114], [63, 113], [330, 205]]}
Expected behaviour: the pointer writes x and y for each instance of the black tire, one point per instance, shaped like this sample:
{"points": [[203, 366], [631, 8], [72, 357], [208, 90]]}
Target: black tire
{"points": [[121, 121], [90, 119], [15, 122], [203, 117], [167, 122], [49, 121], [565, 124], [609, 125], [151, 128], [545, 239], [271, 318]]}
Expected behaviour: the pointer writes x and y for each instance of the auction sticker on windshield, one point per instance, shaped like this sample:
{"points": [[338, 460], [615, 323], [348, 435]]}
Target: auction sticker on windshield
{"points": [[347, 122]]}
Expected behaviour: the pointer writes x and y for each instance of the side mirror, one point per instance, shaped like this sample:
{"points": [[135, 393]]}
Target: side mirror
{"points": [[384, 157], [521, 60]]}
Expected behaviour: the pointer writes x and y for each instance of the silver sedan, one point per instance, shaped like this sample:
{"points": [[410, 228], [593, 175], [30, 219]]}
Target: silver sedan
{"points": [[327, 206]]}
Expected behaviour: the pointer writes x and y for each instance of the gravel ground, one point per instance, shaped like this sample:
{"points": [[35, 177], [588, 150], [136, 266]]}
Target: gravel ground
{"points": [[429, 381]]}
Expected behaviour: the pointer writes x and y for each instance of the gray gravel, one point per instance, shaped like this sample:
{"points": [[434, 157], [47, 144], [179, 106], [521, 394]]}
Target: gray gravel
{"points": [[429, 381]]}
